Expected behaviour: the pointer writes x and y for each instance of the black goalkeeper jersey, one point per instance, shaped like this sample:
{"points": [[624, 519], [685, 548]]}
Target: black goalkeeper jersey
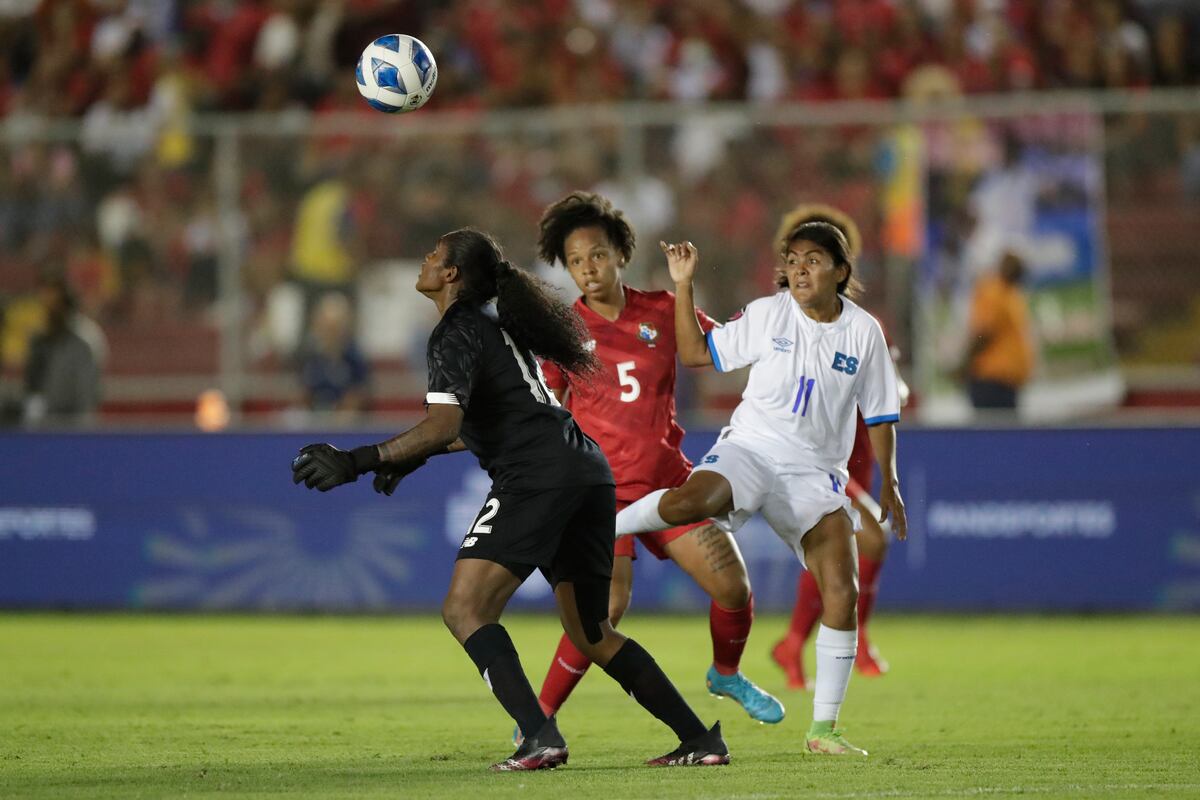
{"points": [[511, 420]]}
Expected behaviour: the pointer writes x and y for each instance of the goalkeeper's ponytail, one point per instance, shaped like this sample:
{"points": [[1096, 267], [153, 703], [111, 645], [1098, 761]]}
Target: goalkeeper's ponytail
{"points": [[527, 307]]}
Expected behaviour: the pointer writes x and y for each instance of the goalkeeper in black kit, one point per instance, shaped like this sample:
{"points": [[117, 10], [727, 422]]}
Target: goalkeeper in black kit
{"points": [[552, 504]]}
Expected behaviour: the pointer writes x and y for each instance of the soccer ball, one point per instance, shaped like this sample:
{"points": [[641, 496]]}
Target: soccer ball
{"points": [[396, 73]]}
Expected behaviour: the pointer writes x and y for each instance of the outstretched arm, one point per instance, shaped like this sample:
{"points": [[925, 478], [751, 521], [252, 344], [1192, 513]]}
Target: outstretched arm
{"points": [[324, 467], [436, 434], [883, 442], [453, 353], [689, 338], [393, 470]]}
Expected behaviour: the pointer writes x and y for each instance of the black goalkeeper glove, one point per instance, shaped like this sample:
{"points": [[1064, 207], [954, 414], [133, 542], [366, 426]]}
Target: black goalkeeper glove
{"points": [[389, 474], [323, 466]]}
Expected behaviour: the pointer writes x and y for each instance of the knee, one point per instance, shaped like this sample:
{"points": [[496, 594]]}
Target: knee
{"points": [[589, 649], [680, 507], [458, 617], [733, 593], [839, 591], [600, 651], [880, 549], [451, 615], [874, 547]]}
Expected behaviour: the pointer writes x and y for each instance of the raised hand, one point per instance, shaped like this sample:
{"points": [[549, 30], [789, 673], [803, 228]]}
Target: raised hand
{"points": [[682, 260]]}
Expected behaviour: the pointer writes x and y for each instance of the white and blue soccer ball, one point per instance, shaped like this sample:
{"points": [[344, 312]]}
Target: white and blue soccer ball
{"points": [[396, 73]]}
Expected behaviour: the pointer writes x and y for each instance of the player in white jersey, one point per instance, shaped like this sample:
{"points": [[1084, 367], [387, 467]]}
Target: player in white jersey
{"points": [[871, 539], [814, 356]]}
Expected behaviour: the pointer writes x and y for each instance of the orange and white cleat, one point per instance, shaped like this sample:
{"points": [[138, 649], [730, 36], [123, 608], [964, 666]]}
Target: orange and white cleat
{"points": [[868, 661], [788, 653]]}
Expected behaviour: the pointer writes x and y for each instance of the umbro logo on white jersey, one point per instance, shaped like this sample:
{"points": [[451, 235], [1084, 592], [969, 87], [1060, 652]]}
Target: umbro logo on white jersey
{"points": [[783, 345]]}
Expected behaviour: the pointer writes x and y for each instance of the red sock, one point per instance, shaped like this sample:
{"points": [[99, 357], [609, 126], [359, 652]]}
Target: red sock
{"points": [[730, 630], [868, 588], [565, 673], [808, 607]]}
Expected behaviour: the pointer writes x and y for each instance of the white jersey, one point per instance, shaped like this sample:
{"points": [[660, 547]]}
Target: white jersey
{"points": [[806, 378]]}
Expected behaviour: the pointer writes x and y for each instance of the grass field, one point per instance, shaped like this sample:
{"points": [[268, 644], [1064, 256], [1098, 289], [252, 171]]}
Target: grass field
{"points": [[152, 706]]}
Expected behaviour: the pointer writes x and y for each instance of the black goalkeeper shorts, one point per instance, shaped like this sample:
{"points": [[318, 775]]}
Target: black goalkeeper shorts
{"points": [[567, 533]]}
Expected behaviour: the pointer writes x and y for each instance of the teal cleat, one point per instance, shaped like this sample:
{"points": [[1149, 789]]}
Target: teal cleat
{"points": [[757, 703]]}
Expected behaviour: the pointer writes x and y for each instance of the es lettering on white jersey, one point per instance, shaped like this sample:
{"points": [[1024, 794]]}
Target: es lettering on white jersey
{"points": [[806, 379]]}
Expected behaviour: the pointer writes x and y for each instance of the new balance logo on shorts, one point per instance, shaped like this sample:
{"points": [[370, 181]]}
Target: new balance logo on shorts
{"points": [[469, 542]]}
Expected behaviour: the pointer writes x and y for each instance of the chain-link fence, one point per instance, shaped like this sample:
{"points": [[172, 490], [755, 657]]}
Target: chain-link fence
{"points": [[206, 252]]}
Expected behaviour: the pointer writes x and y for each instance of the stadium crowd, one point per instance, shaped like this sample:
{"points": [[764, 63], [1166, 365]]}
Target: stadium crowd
{"points": [[72, 57], [128, 213]]}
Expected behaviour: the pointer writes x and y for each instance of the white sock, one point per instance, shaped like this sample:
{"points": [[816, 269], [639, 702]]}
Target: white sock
{"points": [[835, 659], [642, 516]]}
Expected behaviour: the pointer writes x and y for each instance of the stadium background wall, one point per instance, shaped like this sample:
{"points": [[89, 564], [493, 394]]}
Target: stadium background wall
{"points": [[1006, 520]]}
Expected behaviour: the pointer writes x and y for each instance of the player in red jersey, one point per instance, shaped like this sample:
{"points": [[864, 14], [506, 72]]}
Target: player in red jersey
{"points": [[872, 538], [629, 409]]}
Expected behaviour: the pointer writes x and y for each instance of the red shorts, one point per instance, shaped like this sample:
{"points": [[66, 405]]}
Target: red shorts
{"points": [[656, 541], [854, 490]]}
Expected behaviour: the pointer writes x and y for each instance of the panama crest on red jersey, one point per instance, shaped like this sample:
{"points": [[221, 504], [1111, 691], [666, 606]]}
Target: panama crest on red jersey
{"points": [[630, 408]]}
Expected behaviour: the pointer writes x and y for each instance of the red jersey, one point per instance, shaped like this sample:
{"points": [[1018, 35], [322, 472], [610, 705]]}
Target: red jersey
{"points": [[862, 457], [629, 408]]}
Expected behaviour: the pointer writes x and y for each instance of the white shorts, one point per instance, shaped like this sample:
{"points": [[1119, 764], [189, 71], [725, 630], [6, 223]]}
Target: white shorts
{"points": [[792, 498]]}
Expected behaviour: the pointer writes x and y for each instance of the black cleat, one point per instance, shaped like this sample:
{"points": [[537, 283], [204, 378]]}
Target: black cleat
{"points": [[547, 750], [702, 751]]}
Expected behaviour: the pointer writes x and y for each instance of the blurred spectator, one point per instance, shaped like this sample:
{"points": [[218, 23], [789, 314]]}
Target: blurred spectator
{"points": [[333, 371], [323, 239], [11, 407], [1000, 353], [62, 373], [200, 245], [1170, 43], [118, 129], [1189, 146]]}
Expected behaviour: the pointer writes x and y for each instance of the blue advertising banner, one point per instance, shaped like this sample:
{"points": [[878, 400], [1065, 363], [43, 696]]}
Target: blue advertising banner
{"points": [[1032, 519]]}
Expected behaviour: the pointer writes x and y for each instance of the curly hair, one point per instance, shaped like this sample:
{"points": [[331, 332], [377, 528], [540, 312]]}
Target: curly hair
{"points": [[819, 212], [851, 240], [527, 307], [581, 210]]}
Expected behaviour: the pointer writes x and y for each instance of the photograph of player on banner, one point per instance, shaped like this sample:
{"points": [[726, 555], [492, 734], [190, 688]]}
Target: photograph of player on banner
{"points": [[1012, 300]]}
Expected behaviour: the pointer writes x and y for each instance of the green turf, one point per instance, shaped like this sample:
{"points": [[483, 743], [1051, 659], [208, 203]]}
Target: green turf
{"points": [[115, 706]]}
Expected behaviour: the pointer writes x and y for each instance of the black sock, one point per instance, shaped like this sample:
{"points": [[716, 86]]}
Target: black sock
{"points": [[496, 658], [639, 675]]}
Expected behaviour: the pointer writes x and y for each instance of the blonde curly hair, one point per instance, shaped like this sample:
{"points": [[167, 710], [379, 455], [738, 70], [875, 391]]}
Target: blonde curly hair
{"points": [[819, 212], [806, 213]]}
